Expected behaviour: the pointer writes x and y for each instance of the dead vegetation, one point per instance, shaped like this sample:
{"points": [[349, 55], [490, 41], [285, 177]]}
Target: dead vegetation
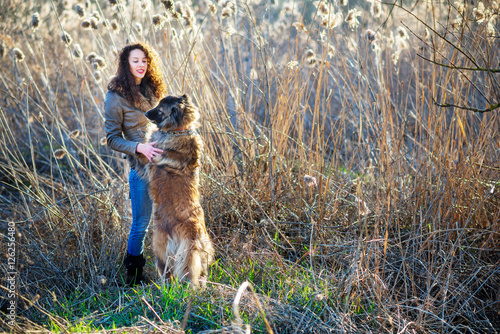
{"points": [[336, 177]]}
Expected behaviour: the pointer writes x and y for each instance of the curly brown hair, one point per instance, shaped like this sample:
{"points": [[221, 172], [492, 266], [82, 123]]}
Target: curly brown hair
{"points": [[124, 82]]}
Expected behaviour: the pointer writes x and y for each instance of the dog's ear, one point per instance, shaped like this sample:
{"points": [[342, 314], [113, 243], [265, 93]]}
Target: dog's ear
{"points": [[176, 114], [184, 98]]}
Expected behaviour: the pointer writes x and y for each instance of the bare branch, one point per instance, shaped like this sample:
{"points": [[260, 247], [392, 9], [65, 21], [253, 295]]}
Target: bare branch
{"points": [[492, 70], [472, 60], [491, 107]]}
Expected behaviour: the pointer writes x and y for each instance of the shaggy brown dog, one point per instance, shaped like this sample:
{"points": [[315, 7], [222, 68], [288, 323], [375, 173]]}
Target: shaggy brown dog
{"points": [[180, 240]]}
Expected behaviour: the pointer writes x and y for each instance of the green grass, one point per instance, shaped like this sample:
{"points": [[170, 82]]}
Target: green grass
{"points": [[368, 125], [211, 308]]}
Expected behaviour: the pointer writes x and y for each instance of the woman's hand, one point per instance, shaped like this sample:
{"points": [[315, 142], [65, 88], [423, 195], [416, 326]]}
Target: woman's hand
{"points": [[148, 150]]}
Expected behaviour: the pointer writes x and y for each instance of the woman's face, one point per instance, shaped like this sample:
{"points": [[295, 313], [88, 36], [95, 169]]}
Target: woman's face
{"points": [[138, 64]]}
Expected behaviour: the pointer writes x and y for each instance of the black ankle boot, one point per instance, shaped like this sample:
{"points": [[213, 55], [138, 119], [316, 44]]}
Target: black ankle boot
{"points": [[135, 265]]}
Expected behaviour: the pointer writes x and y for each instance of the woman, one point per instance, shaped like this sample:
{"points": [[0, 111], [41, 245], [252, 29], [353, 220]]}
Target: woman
{"points": [[135, 89]]}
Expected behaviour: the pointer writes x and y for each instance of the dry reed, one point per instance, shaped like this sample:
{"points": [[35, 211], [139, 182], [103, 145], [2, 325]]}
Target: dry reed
{"points": [[355, 170]]}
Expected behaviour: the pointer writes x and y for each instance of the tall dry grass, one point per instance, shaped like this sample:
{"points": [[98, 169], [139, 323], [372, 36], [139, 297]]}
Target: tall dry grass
{"points": [[329, 147]]}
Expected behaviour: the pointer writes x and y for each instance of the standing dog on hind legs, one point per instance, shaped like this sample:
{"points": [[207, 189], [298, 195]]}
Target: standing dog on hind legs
{"points": [[180, 240]]}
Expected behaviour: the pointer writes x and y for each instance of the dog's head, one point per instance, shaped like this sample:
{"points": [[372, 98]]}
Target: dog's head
{"points": [[174, 112]]}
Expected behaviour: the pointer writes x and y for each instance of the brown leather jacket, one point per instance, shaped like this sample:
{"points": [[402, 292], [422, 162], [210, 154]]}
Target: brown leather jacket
{"points": [[125, 124]]}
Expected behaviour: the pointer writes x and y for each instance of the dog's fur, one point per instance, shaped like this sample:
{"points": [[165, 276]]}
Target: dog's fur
{"points": [[180, 240]]}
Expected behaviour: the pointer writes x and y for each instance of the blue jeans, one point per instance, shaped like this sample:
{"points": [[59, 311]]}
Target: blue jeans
{"points": [[142, 206]]}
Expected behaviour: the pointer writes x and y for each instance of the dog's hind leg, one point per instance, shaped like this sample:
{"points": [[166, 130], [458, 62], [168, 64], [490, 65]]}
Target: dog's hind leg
{"points": [[194, 267], [160, 266], [206, 252]]}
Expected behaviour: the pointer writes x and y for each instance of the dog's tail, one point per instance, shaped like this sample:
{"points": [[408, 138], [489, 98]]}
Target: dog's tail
{"points": [[189, 258]]}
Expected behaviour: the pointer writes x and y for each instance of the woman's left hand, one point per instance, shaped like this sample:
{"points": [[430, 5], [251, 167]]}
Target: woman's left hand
{"points": [[148, 150]]}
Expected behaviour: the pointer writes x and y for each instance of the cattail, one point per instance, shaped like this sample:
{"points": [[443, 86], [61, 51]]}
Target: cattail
{"points": [[17, 54], [490, 28], [77, 51], [479, 12], [376, 9], [287, 8], [103, 141], [331, 51], [59, 153], [98, 63], [401, 44], [188, 13], [138, 27], [114, 26], [113, 2], [395, 57], [352, 18], [158, 21], [226, 12], [402, 33], [96, 14], [371, 35], [91, 57], [212, 8], [322, 8], [188, 22], [312, 62], [231, 5], [253, 74], [299, 26], [459, 6], [375, 47], [175, 15], [86, 25], [179, 8], [456, 23], [35, 21], [168, 4], [94, 23], [80, 11], [390, 39], [333, 20], [292, 64], [260, 41], [106, 24], [310, 181], [66, 38], [74, 134], [230, 31], [146, 5], [309, 54], [97, 76]]}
